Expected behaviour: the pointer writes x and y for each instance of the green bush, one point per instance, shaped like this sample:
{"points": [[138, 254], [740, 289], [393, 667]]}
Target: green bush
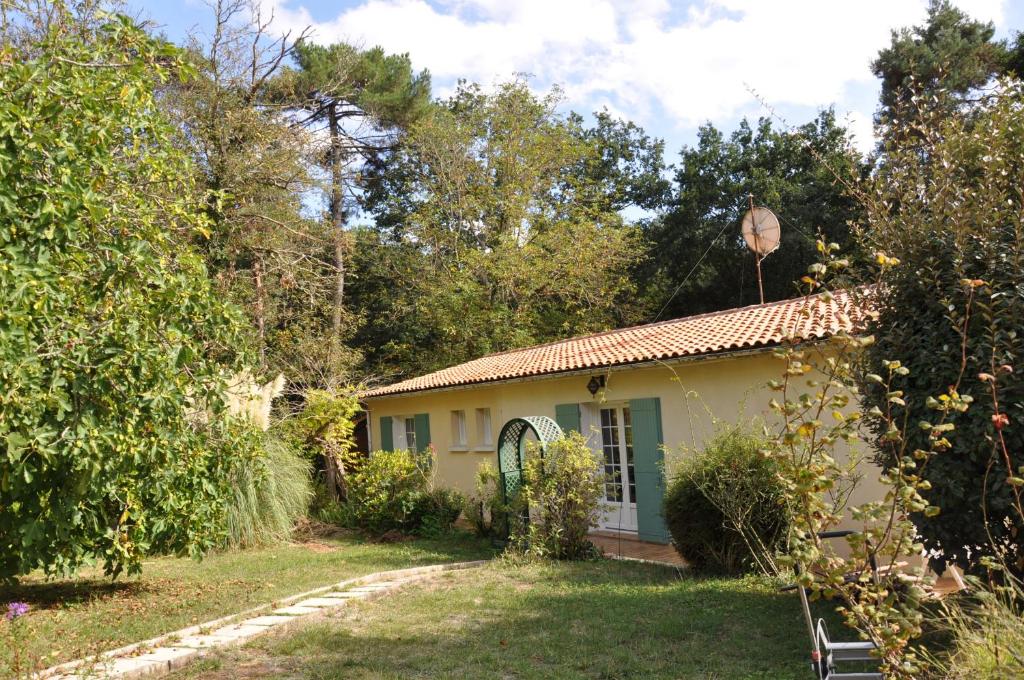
{"points": [[441, 509], [390, 491], [986, 633], [111, 333], [322, 429], [271, 492], [724, 506], [563, 491], [386, 493], [951, 311], [485, 509]]}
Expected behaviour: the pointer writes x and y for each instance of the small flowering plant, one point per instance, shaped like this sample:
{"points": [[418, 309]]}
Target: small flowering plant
{"points": [[14, 636], [15, 610]]}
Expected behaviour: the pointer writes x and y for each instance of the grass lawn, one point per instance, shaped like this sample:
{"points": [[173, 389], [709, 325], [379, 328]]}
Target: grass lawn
{"points": [[75, 618], [601, 619]]}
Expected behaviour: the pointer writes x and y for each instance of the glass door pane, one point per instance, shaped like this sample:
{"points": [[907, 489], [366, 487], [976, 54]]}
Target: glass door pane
{"points": [[612, 456], [627, 436]]}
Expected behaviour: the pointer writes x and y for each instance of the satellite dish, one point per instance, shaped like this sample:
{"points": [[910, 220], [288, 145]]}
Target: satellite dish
{"points": [[761, 230]]}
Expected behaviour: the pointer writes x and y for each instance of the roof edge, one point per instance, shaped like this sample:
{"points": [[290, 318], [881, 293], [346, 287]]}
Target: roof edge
{"points": [[644, 363]]}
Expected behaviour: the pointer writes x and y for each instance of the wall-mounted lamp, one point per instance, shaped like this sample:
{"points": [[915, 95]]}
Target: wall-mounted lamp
{"points": [[596, 383]]}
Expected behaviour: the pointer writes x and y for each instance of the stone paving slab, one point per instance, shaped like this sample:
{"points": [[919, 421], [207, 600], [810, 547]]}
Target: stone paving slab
{"points": [[133, 667], [321, 602], [171, 657], [367, 589], [238, 633], [295, 610], [200, 641], [269, 620]]}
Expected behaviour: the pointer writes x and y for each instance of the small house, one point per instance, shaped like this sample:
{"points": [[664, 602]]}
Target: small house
{"points": [[635, 393]]}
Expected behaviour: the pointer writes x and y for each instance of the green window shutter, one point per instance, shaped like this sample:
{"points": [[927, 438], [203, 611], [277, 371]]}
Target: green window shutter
{"points": [[387, 435], [422, 426], [568, 417], [648, 468]]}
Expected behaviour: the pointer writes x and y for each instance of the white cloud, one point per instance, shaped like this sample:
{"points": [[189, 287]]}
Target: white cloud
{"points": [[641, 57]]}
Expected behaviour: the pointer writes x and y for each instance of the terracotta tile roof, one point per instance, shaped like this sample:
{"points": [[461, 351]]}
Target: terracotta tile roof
{"points": [[732, 329]]}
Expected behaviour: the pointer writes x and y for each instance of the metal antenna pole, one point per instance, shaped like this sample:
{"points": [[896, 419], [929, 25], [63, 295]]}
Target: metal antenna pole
{"points": [[757, 250]]}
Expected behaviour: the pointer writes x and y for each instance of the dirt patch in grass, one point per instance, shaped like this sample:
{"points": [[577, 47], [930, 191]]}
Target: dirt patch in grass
{"points": [[317, 547]]}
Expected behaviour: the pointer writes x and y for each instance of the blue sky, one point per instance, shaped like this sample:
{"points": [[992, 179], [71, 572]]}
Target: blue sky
{"points": [[669, 66]]}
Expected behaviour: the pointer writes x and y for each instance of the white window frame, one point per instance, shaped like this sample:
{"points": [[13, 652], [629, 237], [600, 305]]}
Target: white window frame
{"points": [[458, 430], [410, 441], [399, 436], [484, 430]]}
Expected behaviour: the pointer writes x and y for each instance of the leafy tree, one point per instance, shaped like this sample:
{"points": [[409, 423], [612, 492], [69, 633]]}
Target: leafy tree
{"points": [[629, 163], [386, 288], [264, 253], [950, 56], [112, 339], [797, 174], [361, 98], [946, 206], [517, 243]]}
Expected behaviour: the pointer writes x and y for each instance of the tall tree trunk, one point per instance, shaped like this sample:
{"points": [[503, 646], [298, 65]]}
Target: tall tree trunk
{"points": [[260, 308], [337, 220]]}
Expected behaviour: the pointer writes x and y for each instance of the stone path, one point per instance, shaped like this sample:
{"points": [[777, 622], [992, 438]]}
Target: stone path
{"points": [[163, 654]]}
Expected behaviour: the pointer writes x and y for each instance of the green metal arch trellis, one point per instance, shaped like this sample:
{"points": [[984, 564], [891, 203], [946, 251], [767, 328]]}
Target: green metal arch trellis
{"points": [[512, 449]]}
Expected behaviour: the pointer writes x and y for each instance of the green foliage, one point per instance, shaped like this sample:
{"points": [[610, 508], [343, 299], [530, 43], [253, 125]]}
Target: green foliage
{"points": [[626, 163], [943, 213], [391, 491], [485, 509], [442, 508], [270, 492], [381, 86], [725, 506], [364, 99], [386, 492], [948, 57], [818, 416], [110, 333], [799, 174], [322, 429], [563, 490], [510, 218], [986, 630], [326, 421], [264, 254]]}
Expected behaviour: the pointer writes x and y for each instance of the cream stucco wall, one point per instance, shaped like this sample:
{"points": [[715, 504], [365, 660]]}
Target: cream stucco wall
{"points": [[730, 387]]}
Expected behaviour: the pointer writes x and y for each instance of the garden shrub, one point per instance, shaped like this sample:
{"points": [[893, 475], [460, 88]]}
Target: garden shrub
{"points": [[271, 492], [323, 429], [485, 509], [949, 225], [390, 491], [111, 331], [986, 633], [724, 506], [563, 490], [441, 509]]}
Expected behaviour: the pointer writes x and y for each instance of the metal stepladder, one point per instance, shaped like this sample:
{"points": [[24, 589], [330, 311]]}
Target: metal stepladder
{"points": [[827, 653]]}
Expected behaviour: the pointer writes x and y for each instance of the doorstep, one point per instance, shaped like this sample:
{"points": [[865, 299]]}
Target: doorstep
{"points": [[623, 544]]}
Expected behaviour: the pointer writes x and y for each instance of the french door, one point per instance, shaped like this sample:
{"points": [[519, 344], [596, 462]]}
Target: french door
{"points": [[620, 483]]}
